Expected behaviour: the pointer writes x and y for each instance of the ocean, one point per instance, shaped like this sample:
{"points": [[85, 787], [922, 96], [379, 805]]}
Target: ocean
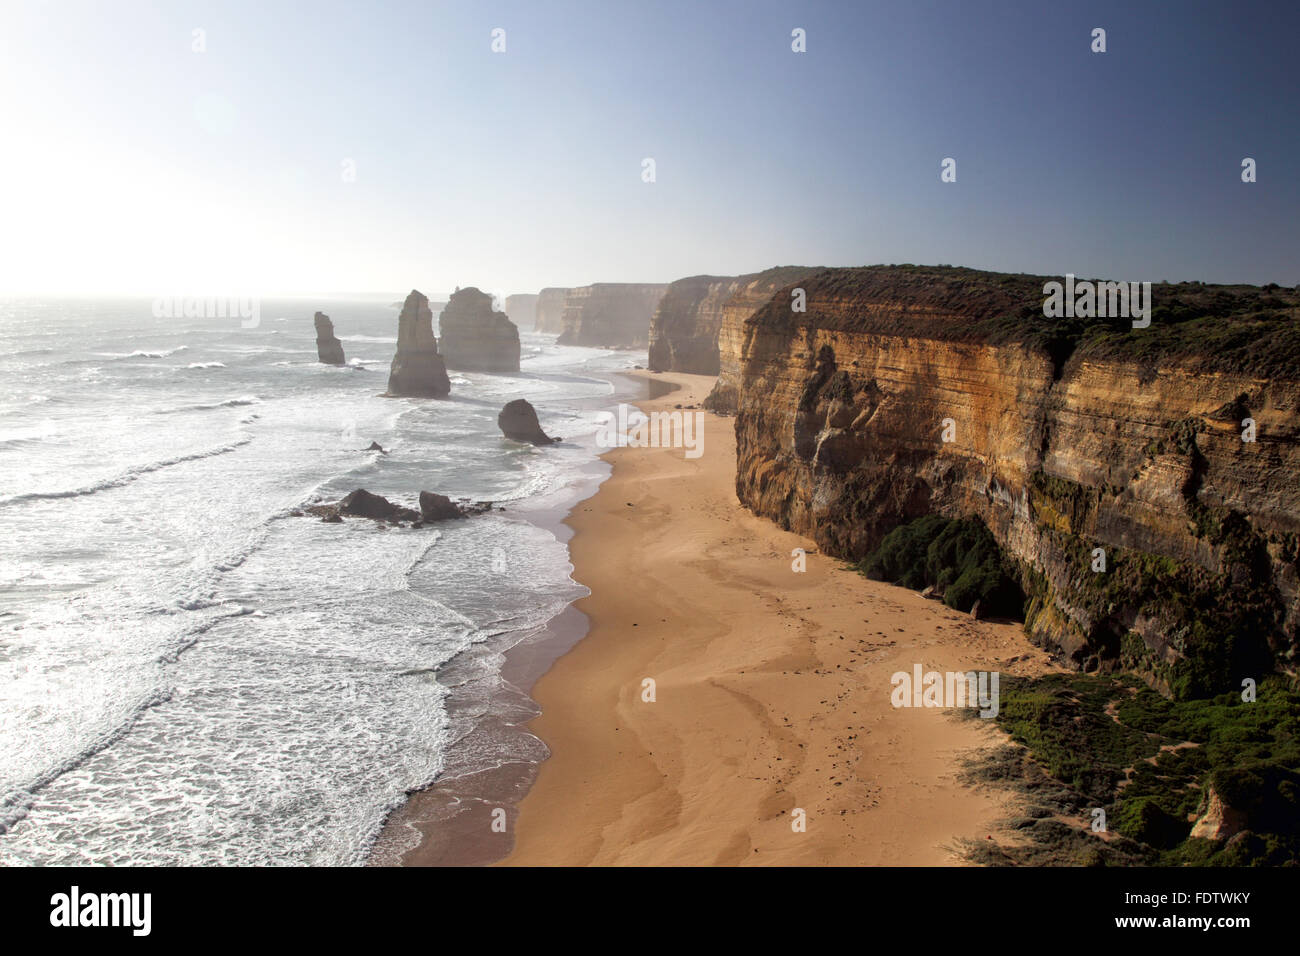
{"points": [[189, 674]]}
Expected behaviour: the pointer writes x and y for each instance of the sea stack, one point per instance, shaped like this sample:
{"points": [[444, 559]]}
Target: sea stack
{"points": [[518, 420], [328, 348], [418, 370], [474, 337]]}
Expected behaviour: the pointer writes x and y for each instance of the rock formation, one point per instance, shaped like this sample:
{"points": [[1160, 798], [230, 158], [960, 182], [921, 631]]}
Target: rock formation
{"points": [[751, 297], [473, 337], [550, 310], [684, 329], [365, 504], [518, 420], [610, 314], [904, 391], [417, 369], [435, 507], [328, 348], [521, 309]]}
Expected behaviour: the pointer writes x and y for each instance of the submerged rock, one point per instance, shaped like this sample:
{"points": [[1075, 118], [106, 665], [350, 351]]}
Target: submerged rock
{"points": [[418, 370], [474, 337], [328, 348], [518, 420]]}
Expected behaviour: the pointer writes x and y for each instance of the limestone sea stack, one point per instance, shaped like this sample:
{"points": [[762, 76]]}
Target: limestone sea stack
{"points": [[518, 420], [418, 370], [328, 348], [613, 314], [522, 310], [476, 338], [550, 310]]}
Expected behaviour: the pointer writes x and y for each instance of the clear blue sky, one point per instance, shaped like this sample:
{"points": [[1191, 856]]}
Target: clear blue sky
{"points": [[130, 163]]}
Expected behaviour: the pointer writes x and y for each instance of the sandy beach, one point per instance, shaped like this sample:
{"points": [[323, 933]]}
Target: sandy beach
{"points": [[771, 689]]}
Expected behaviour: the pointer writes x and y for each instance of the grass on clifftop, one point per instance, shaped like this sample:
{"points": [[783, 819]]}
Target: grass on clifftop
{"points": [[1237, 328], [1110, 742]]}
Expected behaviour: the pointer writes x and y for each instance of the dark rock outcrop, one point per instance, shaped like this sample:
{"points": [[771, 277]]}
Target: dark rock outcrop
{"points": [[364, 504], [521, 309], [905, 391], [615, 314], [435, 507], [550, 310], [518, 420], [328, 348], [473, 337], [418, 370]]}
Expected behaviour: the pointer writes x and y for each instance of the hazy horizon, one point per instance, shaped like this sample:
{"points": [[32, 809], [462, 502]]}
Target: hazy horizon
{"points": [[138, 164]]}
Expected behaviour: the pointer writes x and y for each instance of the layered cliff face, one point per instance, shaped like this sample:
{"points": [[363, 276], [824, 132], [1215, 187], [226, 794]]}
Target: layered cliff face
{"points": [[550, 310], [476, 338], [521, 309], [754, 292], [610, 313], [684, 329], [1107, 460], [328, 348], [417, 369]]}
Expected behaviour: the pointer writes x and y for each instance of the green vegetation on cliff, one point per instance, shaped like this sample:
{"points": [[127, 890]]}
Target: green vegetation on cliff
{"points": [[1217, 622], [958, 556], [1155, 767], [1236, 328]]}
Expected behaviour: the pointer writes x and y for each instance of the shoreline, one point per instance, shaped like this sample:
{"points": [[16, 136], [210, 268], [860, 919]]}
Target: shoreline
{"points": [[449, 822], [761, 709]]}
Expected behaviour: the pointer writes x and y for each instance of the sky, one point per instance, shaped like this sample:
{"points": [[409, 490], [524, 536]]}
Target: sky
{"points": [[324, 147]]}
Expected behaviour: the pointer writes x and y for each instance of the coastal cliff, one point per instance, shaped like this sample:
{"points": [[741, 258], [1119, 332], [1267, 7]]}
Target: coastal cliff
{"points": [[907, 391], [328, 348], [684, 329], [474, 337], [610, 313], [417, 370], [521, 309], [550, 310]]}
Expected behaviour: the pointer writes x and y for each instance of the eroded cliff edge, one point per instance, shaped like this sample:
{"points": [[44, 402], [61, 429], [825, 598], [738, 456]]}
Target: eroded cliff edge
{"points": [[1068, 435], [684, 329], [615, 314], [550, 310]]}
